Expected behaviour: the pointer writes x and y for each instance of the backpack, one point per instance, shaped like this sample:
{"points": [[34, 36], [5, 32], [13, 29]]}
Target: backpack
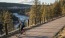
{"points": [[23, 24]]}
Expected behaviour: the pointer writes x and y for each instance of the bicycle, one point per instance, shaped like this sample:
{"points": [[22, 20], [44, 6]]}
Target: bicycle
{"points": [[21, 33]]}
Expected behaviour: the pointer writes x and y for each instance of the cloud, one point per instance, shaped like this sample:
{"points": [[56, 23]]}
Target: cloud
{"points": [[26, 1], [12, 1]]}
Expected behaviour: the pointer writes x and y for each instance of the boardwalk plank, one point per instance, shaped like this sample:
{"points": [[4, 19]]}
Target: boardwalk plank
{"points": [[47, 30]]}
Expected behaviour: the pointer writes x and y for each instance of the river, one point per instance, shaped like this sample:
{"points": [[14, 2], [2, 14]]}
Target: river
{"points": [[21, 18]]}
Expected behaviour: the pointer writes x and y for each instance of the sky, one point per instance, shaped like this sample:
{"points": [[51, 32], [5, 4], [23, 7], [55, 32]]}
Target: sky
{"points": [[27, 1]]}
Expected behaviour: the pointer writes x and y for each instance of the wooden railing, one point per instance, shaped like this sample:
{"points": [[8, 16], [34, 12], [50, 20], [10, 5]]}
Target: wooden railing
{"points": [[57, 35]]}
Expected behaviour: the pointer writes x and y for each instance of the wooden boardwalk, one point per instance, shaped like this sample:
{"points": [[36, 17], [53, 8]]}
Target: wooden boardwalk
{"points": [[47, 30]]}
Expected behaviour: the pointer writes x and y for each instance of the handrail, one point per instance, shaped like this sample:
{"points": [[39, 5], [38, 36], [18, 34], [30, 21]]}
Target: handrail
{"points": [[56, 35]]}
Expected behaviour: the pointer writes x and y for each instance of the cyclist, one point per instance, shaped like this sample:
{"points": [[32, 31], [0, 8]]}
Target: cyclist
{"points": [[22, 27]]}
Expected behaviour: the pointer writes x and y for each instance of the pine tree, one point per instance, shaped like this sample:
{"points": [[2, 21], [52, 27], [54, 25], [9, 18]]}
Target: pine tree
{"points": [[51, 12], [42, 12], [35, 12], [57, 9], [63, 10], [62, 3], [7, 19]]}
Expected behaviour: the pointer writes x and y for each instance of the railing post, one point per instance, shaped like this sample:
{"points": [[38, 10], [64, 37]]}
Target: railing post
{"points": [[35, 21], [47, 18], [28, 22], [52, 17], [6, 30], [44, 19], [40, 20]]}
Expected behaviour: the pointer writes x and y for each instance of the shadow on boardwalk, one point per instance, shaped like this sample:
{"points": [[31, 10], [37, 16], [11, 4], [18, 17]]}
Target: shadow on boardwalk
{"points": [[36, 36]]}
